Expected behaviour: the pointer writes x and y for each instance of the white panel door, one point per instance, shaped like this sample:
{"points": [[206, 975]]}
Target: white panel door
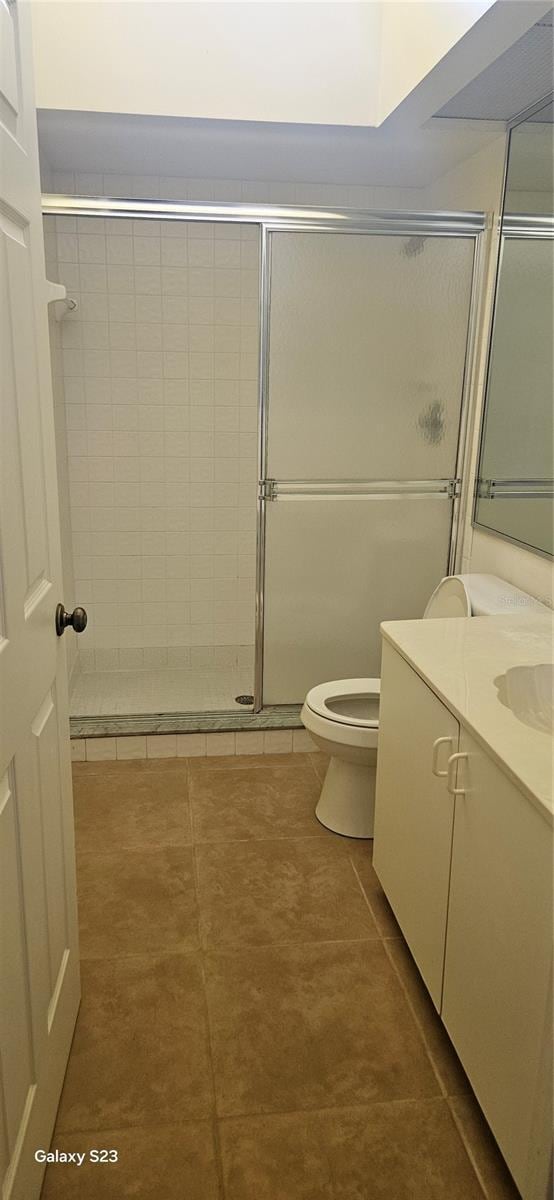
{"points": [[39, 971], [414, 812], [497, 1003]]}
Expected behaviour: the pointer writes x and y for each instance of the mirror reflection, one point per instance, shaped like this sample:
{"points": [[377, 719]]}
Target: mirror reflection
{"points": [[515, 484]]}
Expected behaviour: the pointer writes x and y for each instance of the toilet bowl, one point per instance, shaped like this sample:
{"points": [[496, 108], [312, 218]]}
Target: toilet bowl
{"points": [[343, 720], [342, 716]]}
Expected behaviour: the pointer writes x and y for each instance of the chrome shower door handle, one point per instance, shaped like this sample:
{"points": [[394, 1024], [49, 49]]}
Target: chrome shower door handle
{"points": [[452, 762], [441, 741]]}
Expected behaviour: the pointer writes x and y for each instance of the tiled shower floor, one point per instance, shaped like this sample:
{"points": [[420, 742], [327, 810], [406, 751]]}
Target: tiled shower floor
{"points": [[252, 1024], [184, 689]]}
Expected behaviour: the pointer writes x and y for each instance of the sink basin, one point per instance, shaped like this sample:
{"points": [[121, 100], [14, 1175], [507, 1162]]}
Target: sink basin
{"points": [[529, 693]]}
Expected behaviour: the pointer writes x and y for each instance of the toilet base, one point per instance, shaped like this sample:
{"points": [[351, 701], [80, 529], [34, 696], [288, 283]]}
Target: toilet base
{"points": [[347, 801]]}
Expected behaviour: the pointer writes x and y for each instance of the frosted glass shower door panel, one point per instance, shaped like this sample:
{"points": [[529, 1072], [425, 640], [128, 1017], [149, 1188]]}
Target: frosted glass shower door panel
{"points": [[367, 341], [336, 568]]}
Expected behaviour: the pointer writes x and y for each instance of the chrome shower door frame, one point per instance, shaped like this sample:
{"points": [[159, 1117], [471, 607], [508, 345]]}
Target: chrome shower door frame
{"points": [[455, 490], [271, 219]]}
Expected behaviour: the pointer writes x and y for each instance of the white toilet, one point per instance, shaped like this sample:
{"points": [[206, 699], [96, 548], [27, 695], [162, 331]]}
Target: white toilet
{"points": [[343, 716]]}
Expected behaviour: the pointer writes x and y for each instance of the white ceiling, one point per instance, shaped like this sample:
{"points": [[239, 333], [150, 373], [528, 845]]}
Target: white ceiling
{"points": [[516, 80]]}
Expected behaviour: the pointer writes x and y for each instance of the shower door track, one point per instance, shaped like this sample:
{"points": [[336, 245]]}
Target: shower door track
{"points": [[370, 489], [270, 219], [526, 225]]}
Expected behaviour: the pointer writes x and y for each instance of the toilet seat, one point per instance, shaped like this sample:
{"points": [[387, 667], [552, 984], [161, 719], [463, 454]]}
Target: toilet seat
{"points": [[330, 701]]}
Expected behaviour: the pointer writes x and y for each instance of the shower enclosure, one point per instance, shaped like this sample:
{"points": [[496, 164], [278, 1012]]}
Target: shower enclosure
{"points": [[265, 415]]}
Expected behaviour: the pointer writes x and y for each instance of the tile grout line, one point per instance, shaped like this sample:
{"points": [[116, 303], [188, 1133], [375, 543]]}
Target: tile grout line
{"points": [[214, 1120], [467, 1147], [151, 1125], [430, 1056], [330, 1108], [189, 802], [253, 841], [311, 755], [215, 1115], [417, 1021], [113, 765], [233, 948], [135, 760], [366, 898], [444, 1094], [194, 868], [191, 811], [239, 947], [277, 1112]]}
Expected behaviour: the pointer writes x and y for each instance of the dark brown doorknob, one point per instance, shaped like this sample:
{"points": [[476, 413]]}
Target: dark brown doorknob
{"points": [[77, 619]]}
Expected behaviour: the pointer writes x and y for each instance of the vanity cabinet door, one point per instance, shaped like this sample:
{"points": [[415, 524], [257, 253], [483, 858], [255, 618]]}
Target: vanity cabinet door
{"points": [[497, 979], [414, 812]]}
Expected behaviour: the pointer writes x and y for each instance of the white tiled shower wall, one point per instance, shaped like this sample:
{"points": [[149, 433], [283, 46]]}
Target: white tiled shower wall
{"points": [[253, 191], [159, 366]]}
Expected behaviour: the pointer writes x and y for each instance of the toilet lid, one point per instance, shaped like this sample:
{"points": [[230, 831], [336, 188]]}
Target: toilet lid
{"points": [[347, 701]]}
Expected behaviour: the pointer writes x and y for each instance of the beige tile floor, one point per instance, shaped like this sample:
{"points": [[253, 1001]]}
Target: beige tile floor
{"points": [[252, 1025]]}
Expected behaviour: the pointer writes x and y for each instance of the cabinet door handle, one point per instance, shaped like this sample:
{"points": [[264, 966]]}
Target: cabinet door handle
{"points": [[454, 758], [434, 759]]}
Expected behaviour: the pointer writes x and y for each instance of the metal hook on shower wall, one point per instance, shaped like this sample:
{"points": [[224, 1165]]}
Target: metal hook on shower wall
{"points": [[63, 307], [56, 294]]}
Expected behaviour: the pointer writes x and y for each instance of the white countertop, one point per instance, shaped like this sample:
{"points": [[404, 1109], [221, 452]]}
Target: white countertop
{"points": [[493, 673]]}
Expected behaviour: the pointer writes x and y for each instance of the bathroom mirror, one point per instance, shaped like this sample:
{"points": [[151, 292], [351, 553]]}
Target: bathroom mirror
{"points": [[514, 493]]}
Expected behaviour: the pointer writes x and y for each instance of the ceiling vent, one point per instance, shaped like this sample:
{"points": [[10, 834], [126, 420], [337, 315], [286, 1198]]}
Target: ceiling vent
{"points": [[517, 79]]}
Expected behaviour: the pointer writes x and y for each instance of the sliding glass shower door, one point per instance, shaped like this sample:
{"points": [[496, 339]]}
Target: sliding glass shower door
{"points": [[367, 338]]}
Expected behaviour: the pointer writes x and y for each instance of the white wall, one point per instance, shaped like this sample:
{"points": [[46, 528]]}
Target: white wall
{"points": [[332, 63], [477, 183], [301, 62]]}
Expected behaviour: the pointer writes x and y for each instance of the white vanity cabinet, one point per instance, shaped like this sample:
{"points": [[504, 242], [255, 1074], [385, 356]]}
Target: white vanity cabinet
{"points": [[465, 859], [497, 971], [413, 828]]}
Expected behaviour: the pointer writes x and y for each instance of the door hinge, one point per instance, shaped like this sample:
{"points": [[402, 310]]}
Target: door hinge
{"points": [[268, 489], [484, 489]]}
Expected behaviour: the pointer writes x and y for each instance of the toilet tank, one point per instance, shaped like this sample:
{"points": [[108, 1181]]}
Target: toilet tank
{"points": [[478, 596]]}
